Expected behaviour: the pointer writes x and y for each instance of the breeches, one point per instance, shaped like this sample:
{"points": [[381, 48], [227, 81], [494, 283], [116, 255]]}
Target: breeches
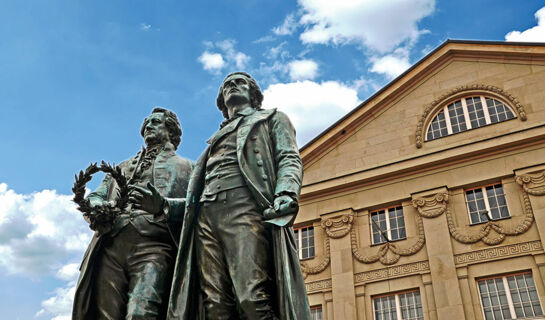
{"points": [[234, 258], [133, 274]]}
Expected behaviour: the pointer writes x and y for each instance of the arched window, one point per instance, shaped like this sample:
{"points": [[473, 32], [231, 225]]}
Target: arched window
{"points": [[466, 114]]}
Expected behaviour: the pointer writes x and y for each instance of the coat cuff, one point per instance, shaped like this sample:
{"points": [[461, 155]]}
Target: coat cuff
{"points": [[174, 209]]}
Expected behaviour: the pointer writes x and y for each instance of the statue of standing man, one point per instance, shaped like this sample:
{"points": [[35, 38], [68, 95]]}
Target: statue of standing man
{"points": [[126, 272], [237, 256]]}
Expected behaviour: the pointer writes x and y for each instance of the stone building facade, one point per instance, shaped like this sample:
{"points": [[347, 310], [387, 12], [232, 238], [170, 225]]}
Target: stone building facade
{"points": [[427, 201]]}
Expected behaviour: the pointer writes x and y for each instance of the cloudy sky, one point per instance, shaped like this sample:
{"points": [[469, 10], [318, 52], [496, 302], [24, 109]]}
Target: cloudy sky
{"points": [[78, 77]]}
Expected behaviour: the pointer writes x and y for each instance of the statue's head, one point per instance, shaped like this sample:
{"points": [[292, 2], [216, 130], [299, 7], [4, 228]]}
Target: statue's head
{"points": [[256, 97], [160, 127]]}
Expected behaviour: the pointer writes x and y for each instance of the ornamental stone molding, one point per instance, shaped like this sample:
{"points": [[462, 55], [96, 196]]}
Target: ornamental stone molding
{"points": [[338, 227], [493, 232], [318, 285], [498, 252], [335, 228], [392, 272], [315, 268], [388, 253], [431, 206], [532, 183], [459, 92]]}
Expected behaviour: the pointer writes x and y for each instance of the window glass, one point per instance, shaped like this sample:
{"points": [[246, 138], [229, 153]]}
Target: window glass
{"points": [[485, 203], [316, 313], [402, 306], [475, 111], [457, 119], [388, 222], [478, 110], [304, 242], [510, 297]]}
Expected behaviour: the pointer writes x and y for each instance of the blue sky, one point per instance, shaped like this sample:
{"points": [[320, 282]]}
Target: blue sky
{"points": [[78, 77]]}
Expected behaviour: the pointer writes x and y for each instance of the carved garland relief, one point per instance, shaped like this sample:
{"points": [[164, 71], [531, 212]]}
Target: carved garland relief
{"points": [[491, 233], [533, 183], [479, 88]]}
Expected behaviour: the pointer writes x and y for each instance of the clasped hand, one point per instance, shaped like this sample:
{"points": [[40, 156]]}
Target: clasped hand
{"points": [[148, 199]]}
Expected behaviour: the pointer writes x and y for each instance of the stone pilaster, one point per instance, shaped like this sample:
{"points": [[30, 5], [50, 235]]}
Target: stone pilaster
{"points": [[447, 294], [337, 225]]}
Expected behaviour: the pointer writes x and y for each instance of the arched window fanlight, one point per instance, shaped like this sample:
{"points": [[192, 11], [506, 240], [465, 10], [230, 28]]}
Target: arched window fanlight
{"points": [[466, 114]]}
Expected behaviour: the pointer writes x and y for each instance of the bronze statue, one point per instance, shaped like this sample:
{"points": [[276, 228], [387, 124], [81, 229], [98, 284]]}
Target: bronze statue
{"points": [[237, 256], [127, 270]]}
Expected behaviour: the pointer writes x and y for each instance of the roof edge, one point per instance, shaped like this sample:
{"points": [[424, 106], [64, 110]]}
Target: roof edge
{"points": [[415, 65]]}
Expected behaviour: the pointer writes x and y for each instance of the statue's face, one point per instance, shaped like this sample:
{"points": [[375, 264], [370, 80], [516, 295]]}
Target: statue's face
{"points": [[155, 129], [236, 89]]}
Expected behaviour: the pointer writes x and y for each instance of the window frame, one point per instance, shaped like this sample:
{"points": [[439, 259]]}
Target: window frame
{"points": [[317, 307], [299, 241], [486, 203], [507, 290], [467, 118], [388, 228], [397, 299]]}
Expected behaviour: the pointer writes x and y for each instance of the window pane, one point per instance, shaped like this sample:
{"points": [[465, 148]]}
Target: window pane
{"points": [[475, 110], [411, 306], [476, 205], [438, 127], [385, 308], [493, 298], [497, 202], [397, 223], [316, 313], [498, 111], [495, 302], [456, 115], [378, 224]]}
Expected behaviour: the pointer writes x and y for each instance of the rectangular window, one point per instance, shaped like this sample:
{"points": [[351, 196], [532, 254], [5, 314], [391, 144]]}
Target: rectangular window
{"points": [[401, 306], [510, 297], [486, 203], [316, 313], [304, 241], [388, 222]]}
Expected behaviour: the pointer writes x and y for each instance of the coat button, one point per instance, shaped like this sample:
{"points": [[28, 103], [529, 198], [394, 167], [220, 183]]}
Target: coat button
{"points": [[256, 150], [259, 163], [264, 177], [253, 137]]}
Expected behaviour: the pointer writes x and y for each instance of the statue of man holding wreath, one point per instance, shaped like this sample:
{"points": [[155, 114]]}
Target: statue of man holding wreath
{"points": [[127, 270]]}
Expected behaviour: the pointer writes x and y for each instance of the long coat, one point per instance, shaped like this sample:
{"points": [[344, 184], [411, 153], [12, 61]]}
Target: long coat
{"points": [[269, 160], [170, 176]]}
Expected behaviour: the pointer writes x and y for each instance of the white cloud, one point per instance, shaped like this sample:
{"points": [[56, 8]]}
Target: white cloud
{"points": [[391, 65], [228, 58], [145, 27], [241, 60], [39, 232], [288, 26], [378, 24], [59, 306], [303, 69], [42, 234], [311, 106], [277, 52], [212, 61], [534, 34]]}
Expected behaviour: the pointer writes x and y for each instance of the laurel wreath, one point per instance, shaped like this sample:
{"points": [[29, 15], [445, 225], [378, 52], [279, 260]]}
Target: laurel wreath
{"points": [[101, 217]]}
